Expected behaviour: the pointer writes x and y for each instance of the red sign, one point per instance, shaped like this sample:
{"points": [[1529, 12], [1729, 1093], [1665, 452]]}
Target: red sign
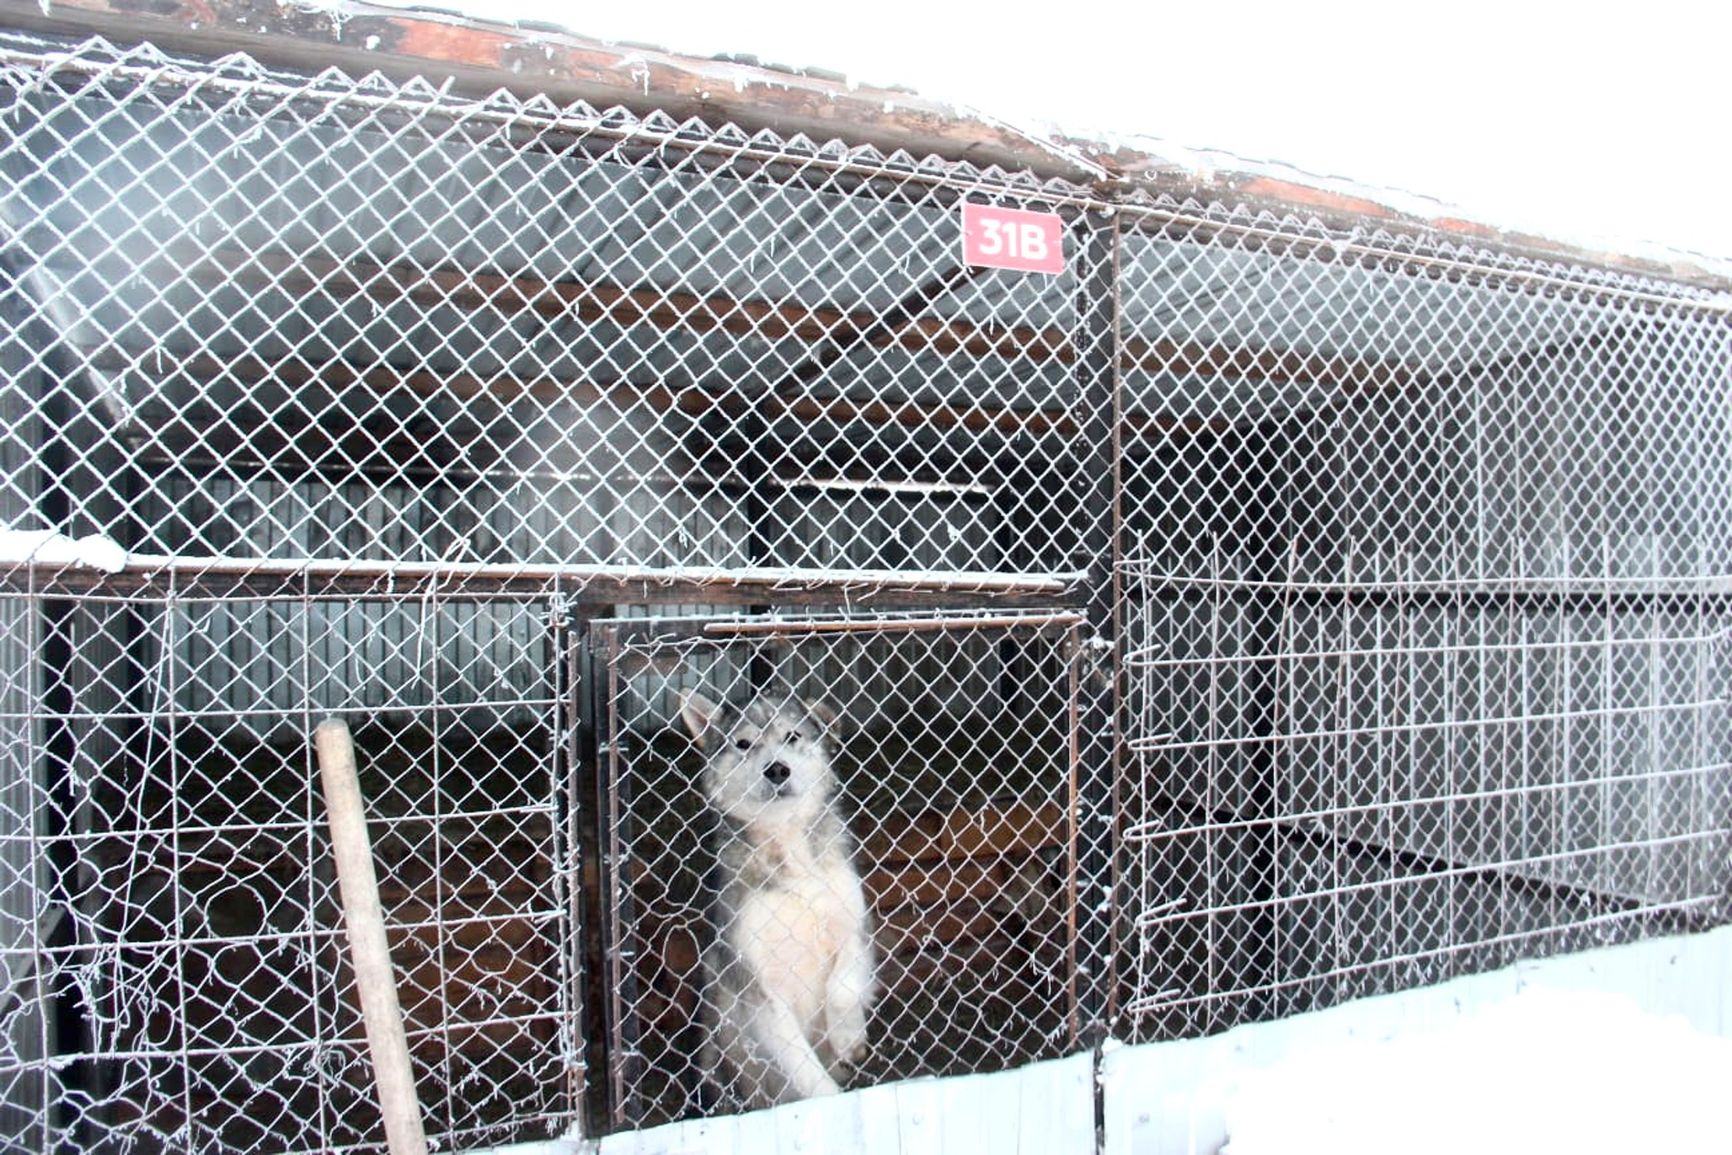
{"points": [[1018, 239]]}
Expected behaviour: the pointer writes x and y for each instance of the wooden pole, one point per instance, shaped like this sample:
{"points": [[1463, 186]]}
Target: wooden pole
{"points": [[367, 946]]}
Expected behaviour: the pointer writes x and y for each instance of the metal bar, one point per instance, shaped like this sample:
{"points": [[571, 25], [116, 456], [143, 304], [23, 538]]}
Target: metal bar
{"points": [[1596, 587], [565, 774], [1098, 463], [1138, 660], [1153, 830], [889, 625], [1074, 1002], [1335, 248], [1672, 919], [1155, 743], [589, 712], [624, 1060], [1506, 873], [763, 579]]}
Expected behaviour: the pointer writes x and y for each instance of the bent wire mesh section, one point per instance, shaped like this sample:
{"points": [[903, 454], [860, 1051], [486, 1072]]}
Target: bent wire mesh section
{"points": [[178, 972], [953, 755], [259, 315], [1425, 615]]}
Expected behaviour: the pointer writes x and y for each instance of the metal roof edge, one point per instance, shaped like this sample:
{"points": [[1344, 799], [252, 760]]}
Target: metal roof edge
{"points": [[481, 56]]}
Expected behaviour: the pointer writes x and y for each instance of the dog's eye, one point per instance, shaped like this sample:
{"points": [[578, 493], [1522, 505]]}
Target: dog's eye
{"points": [[742, 743]]}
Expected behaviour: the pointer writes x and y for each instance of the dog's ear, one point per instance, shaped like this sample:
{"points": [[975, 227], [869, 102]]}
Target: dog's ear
{"points": [[826, 716], [697, 712]]}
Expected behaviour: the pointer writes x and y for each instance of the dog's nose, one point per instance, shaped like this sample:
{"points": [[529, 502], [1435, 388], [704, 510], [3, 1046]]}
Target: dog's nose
{"points": [[776, 773]]}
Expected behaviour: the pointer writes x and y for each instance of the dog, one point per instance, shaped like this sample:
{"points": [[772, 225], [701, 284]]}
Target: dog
{"points": [[789, 975]]}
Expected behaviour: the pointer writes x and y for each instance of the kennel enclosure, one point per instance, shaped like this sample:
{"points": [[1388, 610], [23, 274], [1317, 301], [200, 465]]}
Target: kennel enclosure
{"points": [[1280, 604]]}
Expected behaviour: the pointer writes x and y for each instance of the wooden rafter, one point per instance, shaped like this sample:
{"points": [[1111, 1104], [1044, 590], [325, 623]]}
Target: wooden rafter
{"points": [[772, 321]]}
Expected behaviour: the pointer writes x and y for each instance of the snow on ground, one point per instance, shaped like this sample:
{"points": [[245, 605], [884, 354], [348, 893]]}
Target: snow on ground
{"points": [[1573, 1072]]}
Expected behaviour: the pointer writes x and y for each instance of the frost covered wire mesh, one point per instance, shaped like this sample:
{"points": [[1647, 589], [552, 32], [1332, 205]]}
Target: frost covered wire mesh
{"points": [[273, 317], [1424, 620], [1403, 566], [953, 750], [177, 967]]}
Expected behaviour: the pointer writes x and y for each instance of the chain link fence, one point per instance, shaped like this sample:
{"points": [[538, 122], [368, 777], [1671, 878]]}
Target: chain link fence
{"points": [[1425, 624], [179, 976], [1250, 616], [330, 321], [952, 742]]}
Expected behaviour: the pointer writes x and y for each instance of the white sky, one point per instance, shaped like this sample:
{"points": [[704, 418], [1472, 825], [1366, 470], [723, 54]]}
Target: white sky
{"points": [[1591, 123]]}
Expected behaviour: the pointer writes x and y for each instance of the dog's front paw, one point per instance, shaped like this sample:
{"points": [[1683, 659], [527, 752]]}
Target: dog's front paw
{"points": [[848, 1044], [822, 1086]]}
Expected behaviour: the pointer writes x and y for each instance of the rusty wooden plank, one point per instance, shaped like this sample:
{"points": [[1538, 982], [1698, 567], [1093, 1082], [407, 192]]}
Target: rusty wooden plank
{"points": [[302, 275], [1006, 828], [980, 956], [925, 883], [903, 837], [481, 983], [692, 401], [674, 309], [666, 309], [909, 928], [1251, 362]]}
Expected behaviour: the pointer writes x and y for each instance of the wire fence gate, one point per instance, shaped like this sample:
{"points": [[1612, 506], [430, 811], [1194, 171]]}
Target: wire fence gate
{"points": [[1242, 616], [956, 750]]}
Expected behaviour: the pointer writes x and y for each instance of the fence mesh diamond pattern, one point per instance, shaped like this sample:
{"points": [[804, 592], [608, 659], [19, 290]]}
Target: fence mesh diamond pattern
{"points": [[952, 747], [1257, 614]]}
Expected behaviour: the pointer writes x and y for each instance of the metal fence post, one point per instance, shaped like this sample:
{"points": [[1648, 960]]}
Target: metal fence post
{"points": [[1096, 339]]}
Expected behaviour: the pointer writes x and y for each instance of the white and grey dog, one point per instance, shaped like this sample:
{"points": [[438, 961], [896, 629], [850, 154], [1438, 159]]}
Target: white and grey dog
{"points": [[788, 977]]}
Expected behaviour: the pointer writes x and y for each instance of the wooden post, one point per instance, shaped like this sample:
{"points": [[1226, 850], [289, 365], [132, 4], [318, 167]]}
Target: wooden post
{"points": [[367, 946]]}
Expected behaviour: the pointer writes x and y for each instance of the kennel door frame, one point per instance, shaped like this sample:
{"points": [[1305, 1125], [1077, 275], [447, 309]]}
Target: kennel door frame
{"points": [[615, 643]]}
